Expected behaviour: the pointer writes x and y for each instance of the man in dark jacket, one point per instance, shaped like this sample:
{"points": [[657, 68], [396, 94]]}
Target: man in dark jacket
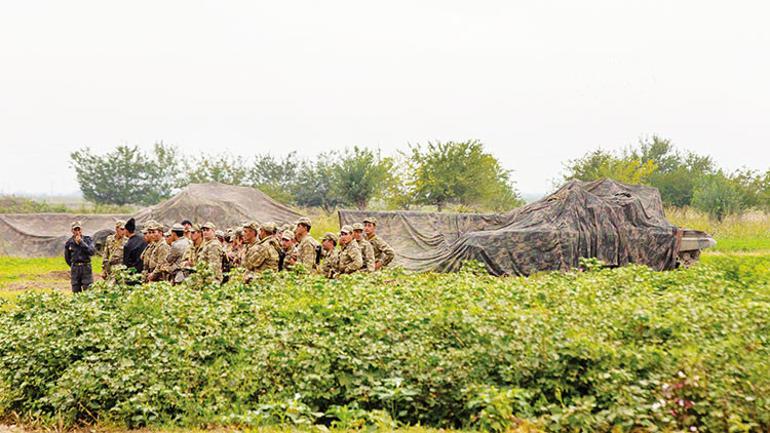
{"points": [[77, 253], [132, 250]]}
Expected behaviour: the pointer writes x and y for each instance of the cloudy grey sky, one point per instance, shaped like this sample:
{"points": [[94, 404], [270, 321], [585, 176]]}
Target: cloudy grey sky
{"points": [[538, 82]]}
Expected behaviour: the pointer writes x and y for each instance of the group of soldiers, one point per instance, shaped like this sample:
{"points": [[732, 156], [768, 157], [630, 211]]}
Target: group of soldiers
{"points": [[174, 254]]}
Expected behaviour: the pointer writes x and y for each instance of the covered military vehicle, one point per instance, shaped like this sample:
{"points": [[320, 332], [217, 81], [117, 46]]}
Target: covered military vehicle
{"points": [[608, 220]]}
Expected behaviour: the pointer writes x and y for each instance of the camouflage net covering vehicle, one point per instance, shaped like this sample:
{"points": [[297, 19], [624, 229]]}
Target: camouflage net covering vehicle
{"points": [[604, 219]]}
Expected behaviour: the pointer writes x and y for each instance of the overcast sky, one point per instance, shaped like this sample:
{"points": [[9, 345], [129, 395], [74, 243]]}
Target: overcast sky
{"points": [[538, 82]]}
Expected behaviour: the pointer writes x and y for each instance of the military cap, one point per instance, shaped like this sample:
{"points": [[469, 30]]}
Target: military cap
{"points": [[329, 236], [358, 226], [195, 228], [76, 225], [372, 220], [304, 220], [153, 225], [167, 233], [285, 227], [177, 228], [219, 234], [120, 224], [251, 225], [208, 225], [239, 231], [145, 230], [287, 235], [269, 227], [346, 229]]}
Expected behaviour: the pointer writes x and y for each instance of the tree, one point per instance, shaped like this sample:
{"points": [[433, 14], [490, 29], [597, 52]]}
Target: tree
{"points": [[460, 173], [719, 196], [277, 178], [315, 183], [126, 175], [359, 175], [601, 164], [223, 168]]}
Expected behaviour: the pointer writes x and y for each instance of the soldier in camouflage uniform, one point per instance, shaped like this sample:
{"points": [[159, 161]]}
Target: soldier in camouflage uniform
{"points": [[147, 253], [234, 247], [383, 253], [350, 259], [171, 269], [329, 255], [261, 255], [211, 251], [367, 251], [159, 249], [289, 251], [113, 249], [190, 259], [307, 246]]}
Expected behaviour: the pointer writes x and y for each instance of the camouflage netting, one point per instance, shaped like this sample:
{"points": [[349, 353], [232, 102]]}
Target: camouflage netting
{"points": [[224, 205], [44, 235], [614, 222]]}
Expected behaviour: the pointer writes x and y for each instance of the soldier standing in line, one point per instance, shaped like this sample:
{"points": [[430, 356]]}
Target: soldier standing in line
{"points": [[289, 252], [350, 259], [171, 268], [77, 253], [307, 246], [367, 251], [133, 248], [259, 256], [159, 254], [211, 251], [383, 253], [329, 254], [190, 259], [152, 243], [113, 249]]}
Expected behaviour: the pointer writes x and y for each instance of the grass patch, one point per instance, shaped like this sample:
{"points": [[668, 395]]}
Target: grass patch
{"points": [[736, 233]]}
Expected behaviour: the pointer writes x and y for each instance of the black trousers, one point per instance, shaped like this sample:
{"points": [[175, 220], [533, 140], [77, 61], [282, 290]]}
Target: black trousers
{"points": [[81, 277]]}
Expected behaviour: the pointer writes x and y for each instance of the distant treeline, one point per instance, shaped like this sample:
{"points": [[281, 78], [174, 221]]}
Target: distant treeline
{"points": [[460, 175], [683, 178]]}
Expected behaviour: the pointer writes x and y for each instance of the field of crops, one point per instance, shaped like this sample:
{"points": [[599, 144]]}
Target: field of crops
{"points": [[625, 348]]}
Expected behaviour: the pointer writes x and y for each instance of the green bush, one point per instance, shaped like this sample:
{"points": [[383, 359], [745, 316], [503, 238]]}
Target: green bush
{"points": [[621, 349]]}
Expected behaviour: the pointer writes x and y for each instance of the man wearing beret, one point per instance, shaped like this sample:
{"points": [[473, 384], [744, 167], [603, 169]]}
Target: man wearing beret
{"points": [[77, 253], [133, 248], [350, 259], [113, 249], [383, 253]]}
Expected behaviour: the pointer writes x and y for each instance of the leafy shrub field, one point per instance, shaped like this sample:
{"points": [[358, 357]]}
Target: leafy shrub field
{"points": [[626, 349]]}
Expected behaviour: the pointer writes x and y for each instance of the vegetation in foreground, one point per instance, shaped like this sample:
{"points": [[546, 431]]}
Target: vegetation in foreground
{"points": [[625, 348]]}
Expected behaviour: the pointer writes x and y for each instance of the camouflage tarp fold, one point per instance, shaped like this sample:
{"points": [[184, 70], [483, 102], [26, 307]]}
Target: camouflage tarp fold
{"points": [[614, 222]]}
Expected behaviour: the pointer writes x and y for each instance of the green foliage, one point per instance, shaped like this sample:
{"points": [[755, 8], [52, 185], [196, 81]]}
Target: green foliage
{"points": [[126, 175], [600, 164], [718, 196], [460, 173], [360, 174], [222, 168], [13, 204], [625, 349]]}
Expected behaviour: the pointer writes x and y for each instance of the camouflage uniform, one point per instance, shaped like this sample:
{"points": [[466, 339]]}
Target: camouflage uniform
{"points": [[175, 259], [146, 257], [329, 263], [211, 253], [350, 259], [367, 253], [157, 259], [113, 254], [306, 252], [261, 256], [382, 251]]}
